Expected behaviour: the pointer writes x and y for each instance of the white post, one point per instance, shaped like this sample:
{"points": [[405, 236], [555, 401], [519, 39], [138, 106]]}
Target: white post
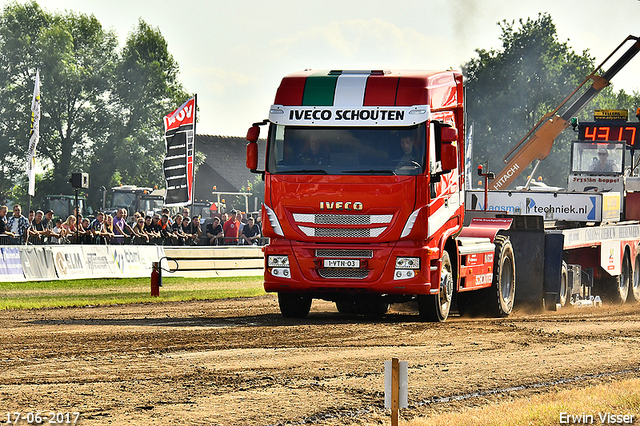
{"points": [[395, 387]]}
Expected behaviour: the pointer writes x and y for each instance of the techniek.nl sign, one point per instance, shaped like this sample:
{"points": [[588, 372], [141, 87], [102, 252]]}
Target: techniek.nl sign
{"points": [[552, 206]]}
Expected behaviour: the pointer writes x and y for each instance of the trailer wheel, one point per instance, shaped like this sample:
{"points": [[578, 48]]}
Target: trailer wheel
{"points": [[435, 307], [634, 291], [294, 305], [624, 281], [502, 292], [564, 285]]}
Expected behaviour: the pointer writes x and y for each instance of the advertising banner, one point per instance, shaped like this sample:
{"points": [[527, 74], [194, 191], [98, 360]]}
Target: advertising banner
{"points": [[576, 207], [70, 262], [37, 263], [134, 261], [178, 162], [10, 264], [100, 263]]}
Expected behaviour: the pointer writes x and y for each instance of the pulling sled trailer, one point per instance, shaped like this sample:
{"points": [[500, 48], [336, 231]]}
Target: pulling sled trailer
{"points": [[594, 220]]}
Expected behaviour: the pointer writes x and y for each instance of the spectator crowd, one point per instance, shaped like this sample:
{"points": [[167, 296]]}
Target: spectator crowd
{"points": [[158, 229]]}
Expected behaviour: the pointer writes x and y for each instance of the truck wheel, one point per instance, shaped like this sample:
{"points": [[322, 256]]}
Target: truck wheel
{"points": [[634, 291], [624, 281], [564, 286], [294, 305], [435, 307], [501, 294]]}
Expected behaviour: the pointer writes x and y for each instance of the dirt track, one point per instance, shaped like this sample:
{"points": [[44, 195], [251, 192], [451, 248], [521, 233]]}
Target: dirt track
{"points": [[238, 362]]}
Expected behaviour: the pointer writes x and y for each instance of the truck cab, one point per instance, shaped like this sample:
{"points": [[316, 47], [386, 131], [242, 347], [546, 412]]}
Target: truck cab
{"points": [[363, 194]]}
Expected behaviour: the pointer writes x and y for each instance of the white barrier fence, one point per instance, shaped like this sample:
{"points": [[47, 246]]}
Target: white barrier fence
{"points": [[41, 263]]}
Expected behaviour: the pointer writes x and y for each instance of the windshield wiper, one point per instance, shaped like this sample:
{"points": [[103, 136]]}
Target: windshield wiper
{"points": [[303, 171], [371, 171]]}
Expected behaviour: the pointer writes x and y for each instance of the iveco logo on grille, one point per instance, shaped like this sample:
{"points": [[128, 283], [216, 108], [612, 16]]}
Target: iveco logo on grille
{"points": [[340, 205]]}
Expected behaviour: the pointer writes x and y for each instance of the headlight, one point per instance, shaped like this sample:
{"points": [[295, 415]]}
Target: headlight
{"points": [[278, 261], [408, 263]]}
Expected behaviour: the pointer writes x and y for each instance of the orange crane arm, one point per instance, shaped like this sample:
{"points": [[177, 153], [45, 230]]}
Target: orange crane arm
{"points": [[538, 142]]}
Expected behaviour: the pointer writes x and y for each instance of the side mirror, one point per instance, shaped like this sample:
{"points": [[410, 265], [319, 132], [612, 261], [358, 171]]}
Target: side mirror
{"points": [[448, 134], [253, 133], [252, 153], [448, 157]]}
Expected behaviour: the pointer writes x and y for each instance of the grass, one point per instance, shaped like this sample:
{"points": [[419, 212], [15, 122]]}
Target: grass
{"points": [[65, 293], [616, 398]]}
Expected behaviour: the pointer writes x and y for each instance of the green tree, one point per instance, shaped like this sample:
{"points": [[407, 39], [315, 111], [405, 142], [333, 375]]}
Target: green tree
{"points": [[145, 88], [101, 108], [20, 27], [510, 89], [76, 58]]}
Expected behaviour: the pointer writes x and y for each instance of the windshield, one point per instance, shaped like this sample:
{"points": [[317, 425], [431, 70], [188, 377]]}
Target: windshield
{"points": [[598, 158], [63, 207], [123, 199], [342, 151], [151, 204]]}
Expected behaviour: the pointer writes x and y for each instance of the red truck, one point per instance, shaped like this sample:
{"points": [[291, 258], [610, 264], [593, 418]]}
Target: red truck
{"points": [[364, 198]]}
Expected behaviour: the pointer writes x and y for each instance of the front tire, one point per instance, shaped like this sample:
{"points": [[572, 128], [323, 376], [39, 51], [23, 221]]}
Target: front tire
{"points": [[294, 305], [435, 307]]}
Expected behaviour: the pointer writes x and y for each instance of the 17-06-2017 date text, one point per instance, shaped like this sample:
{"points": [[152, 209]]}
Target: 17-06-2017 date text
{"points": [[37, 417]]}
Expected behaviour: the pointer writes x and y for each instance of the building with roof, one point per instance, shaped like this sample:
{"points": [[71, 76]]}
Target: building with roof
{"points": [[224, 167]]}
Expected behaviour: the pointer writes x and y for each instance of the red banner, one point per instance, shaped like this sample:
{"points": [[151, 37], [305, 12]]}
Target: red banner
{"points": [[178, 162]]}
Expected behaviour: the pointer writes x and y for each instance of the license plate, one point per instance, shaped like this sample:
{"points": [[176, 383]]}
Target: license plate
{"points": [[341, 263]]}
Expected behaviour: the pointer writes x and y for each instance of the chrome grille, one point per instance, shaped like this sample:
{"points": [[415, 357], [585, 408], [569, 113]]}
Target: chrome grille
{"points": [[342, 219], [342, 232], [348, 274], [345, 254]]}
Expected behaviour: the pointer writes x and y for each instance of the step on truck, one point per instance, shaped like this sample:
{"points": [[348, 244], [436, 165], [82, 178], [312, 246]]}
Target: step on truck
{"points": [[364, 198]]}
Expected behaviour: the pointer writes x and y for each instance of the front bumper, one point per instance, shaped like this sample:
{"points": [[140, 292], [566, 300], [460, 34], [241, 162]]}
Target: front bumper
{"points": [[375, 273]]}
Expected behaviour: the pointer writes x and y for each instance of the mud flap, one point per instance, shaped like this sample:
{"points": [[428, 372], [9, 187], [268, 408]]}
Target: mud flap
{"points": [[553, 251], [538, 255], [528, 246]]}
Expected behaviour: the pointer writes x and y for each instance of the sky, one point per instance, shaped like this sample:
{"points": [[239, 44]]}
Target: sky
{"points": [[234, 53]]}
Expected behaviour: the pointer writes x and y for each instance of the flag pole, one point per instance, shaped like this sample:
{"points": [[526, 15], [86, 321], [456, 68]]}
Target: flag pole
{"points": [[193, 185], [34, 137]]}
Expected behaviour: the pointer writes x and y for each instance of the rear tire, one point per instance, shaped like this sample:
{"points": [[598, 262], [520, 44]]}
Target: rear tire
{"points": [[435, 307], [294, 305], [634, 291], [501, 295], [616, 289], [563, 295]]}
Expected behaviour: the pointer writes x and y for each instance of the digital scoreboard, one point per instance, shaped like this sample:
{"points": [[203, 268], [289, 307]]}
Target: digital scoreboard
{"points": [[610, 131]]}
